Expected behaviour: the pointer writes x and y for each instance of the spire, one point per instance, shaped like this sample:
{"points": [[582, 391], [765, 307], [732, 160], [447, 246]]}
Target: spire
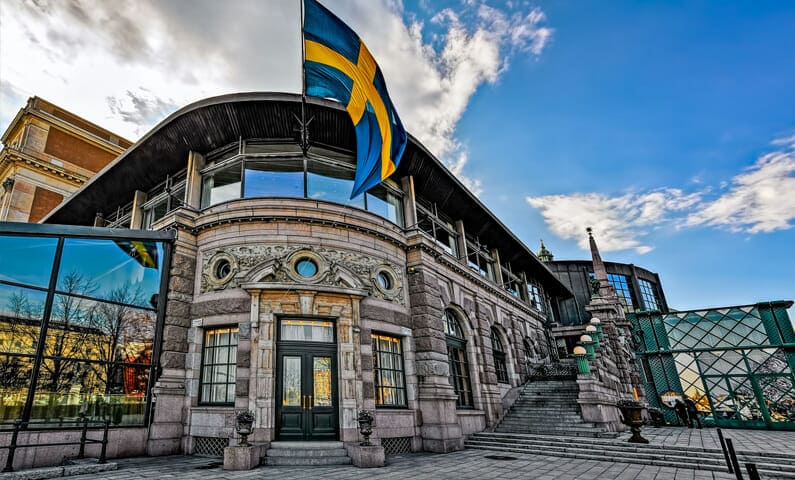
{"points": [[545, 255], [599, 270]]}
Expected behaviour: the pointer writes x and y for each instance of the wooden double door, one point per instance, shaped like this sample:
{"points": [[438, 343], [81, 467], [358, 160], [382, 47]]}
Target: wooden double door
{"points": [[307, 407]]}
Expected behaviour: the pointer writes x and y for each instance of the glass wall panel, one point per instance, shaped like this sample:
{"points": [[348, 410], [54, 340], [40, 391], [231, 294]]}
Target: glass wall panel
{"points": [[119, 271], [68, 388], [15, 376], [383, 202], [332, 183], [21, 311], [27, 260], [274, 178], [97, 353], [221, 186], [95, 330]]}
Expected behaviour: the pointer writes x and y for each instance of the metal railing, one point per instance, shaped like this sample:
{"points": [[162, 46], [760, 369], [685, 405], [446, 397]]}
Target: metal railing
{"points": [[83, 424], [732, 462]]}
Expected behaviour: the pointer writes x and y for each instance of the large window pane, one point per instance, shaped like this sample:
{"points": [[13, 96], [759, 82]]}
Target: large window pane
{"points": [[274, 178], [331, 183], [27, 260], [383, 202], [15, 378], [93, 330], [67, 388], [21, 310], [221, 186], [119, 271]]}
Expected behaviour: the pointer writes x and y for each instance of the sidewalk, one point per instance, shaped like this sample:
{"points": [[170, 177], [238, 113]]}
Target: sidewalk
{"points": [[465, 465]]}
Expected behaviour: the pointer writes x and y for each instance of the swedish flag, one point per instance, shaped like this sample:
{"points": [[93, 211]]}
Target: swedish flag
{"points": [[338, 65], [145, 253]]}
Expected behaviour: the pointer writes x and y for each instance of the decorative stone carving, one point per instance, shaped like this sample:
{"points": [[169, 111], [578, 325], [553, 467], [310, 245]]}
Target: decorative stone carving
{"points": [[218, 271], [276, 263]]}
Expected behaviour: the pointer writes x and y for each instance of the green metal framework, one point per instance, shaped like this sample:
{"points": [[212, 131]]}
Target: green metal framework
{"points": [[736, 363]]}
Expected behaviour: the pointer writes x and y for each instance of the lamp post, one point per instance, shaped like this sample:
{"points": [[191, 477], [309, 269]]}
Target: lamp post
{"points": [[582, 360], [587, 342], [590, 330], [598, 324]]}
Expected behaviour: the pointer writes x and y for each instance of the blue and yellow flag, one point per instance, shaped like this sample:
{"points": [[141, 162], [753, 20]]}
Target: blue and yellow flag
{"points": [[339, 66]]}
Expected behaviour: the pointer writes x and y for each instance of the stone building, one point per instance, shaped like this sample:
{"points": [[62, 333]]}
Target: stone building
{"points": [[48, 153], [636, 288], [290, 299]]}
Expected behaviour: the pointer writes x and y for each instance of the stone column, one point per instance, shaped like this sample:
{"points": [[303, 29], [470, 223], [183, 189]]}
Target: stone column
{"points": [[436, 397], [168, 426], [137, 212], [409, 201], [193, 183]]}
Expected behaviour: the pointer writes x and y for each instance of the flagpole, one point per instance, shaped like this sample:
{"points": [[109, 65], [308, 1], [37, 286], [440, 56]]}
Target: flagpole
{"points": [[304, 133]]}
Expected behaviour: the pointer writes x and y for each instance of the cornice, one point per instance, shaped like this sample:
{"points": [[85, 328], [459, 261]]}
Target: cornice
{"points": [[9, 155]]}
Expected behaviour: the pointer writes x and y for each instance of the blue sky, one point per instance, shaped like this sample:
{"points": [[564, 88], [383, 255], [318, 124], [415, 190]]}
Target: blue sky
{"points": [[667, 126]]}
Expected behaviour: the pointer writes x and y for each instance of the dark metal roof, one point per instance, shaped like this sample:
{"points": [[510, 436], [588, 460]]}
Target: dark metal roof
{"points": [[218, 121]]}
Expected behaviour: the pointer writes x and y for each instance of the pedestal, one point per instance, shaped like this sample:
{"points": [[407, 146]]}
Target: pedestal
{"points": [[371, 456], [242, 458]]}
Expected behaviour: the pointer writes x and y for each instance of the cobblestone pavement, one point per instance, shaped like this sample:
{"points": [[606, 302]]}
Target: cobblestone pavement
{"points": [[743, 440], [465, 465]]}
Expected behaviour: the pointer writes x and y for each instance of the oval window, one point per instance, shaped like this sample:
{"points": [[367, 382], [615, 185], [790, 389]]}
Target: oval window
{"points": [[385, 280], [306, 267], [222, 269]]}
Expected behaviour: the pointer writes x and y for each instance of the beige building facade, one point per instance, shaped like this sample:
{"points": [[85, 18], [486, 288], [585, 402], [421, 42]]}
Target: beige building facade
{"points": [[48, 153]]}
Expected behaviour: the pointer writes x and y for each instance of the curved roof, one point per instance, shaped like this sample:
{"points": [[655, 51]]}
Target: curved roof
{"points": [[214, 122]]}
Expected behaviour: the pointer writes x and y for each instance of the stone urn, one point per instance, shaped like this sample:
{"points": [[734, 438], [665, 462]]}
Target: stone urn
{"points": [[244, 425], [366, 420], [632, 416]]}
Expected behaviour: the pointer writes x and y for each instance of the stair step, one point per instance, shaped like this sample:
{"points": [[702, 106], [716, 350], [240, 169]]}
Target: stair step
{"points": [[306, 452], [304, 461], [778, 463]]}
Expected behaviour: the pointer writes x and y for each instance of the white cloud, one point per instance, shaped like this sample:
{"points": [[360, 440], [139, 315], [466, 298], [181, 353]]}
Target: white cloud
{"points": [[761, 199], [620, 222], [126, 64]]}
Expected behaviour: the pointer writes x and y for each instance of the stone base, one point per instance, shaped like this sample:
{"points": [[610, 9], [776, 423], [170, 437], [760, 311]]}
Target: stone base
{"points": [[371, 456], [242, 458]]}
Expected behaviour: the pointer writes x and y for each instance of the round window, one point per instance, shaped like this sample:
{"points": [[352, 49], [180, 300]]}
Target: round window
{"points": [[385, 280], [222, 269], [306, 267]]}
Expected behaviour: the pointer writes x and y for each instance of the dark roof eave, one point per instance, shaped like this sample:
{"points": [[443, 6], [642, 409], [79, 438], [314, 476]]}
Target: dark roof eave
{"points": [[227, 117]]}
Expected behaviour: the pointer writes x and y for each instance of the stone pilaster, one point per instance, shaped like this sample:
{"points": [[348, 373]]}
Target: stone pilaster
{"points": [[440, 429], [170, 393]]}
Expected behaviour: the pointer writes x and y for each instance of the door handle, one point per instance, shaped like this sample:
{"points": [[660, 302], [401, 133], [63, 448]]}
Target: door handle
{"points": [[310, 403], [303, 402]]}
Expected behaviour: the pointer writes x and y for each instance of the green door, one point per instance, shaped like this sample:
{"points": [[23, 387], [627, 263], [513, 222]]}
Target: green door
{"points": [[306, 386]]}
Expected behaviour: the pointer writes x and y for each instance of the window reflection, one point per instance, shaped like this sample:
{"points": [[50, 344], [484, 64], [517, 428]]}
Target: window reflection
{"points": [[125, 272], [331, 183], [27, 260], [386, 204], [97, 352], [274, 178], [221, 185]]}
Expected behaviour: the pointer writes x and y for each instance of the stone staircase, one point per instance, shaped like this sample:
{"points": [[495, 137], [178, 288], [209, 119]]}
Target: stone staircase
{"points": [[773, 464], [549, 407], [307, 453]]}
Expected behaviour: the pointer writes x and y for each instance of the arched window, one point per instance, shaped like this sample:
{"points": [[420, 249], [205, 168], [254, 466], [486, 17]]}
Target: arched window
{"points": [[457, 357], [498, 351]]}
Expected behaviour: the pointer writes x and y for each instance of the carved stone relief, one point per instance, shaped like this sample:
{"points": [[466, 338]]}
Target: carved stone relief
{"points": [[277, 264]]}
